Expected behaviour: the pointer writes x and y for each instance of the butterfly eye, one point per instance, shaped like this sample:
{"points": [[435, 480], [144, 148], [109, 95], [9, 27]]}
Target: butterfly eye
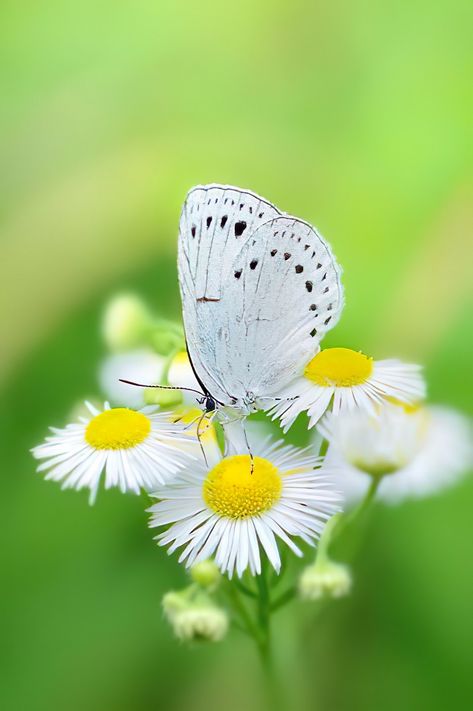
{"points": [[313, 307], [299, 268]]}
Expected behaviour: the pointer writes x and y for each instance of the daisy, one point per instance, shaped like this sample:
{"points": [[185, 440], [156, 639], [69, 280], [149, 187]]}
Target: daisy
{"points": [[413, 451], [142, 364], [345, 380], [237, 507], [133, 449]]}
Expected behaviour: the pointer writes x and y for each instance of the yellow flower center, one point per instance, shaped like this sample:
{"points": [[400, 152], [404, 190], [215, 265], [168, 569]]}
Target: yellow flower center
{"points": [[119, 428], [232, 490], [339, 367]]}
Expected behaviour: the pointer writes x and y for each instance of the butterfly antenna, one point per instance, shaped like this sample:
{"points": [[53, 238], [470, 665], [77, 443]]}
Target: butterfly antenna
{"points": [[162, 387]]}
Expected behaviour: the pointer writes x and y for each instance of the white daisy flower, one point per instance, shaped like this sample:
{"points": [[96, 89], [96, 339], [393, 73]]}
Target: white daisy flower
{"points": [[416, 450], [142, 365], [347, 380], [230, 511], [133, 449]]}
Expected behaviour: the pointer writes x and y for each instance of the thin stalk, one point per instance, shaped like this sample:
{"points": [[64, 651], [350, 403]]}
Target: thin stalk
{"points": [[273, 691], [347, 520], [238, 606]]}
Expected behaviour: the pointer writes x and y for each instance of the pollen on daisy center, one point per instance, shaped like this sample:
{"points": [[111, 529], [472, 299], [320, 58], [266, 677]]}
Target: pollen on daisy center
{"points": [[119, 428], [233, 490], [340, 367]]}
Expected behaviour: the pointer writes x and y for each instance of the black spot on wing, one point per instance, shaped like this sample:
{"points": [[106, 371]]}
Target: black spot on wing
{"points": [[240, 227]]}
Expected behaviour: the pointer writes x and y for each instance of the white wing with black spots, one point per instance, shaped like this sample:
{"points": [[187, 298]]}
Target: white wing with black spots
{"points": [[257, 301]]}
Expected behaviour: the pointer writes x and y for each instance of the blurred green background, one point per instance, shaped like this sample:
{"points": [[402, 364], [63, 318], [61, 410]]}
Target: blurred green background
{"points": [[355, 116]]}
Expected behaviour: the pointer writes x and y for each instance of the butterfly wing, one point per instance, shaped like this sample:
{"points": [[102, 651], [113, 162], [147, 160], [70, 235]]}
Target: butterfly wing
{"points": [[216, 221], [253, 325]]}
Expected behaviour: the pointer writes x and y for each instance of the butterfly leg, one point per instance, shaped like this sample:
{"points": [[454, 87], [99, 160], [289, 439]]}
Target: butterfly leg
{"points": [[252, 459], [199, 433]]}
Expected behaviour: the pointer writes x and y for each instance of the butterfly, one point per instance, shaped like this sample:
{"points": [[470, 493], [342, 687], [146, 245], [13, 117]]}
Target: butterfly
{"points": [[259, 290]]}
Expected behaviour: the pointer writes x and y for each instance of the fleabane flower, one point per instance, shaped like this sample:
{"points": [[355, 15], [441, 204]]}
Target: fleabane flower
{"points": [[133, 449], [415, 451], [343, 380], [142, 365], [240, 505]]}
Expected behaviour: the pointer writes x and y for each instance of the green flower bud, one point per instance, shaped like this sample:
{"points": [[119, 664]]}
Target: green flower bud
{"points": [[126, 322], [194, 617], [206, 574], [326, 579], [166, 338]]}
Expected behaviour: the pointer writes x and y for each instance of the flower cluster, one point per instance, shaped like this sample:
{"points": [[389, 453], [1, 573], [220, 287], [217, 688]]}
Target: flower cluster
{"points": [[229, 499]]}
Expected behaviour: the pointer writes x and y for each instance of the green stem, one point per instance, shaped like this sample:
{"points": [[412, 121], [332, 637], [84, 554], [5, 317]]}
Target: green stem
{"points": [[283, 599], [347, 520], [244, 589], [249, 626], [264, 612], [273, 691]]}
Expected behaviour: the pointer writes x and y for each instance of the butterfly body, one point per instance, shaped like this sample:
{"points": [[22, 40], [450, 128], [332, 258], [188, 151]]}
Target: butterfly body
{"points": [[259, 290]]}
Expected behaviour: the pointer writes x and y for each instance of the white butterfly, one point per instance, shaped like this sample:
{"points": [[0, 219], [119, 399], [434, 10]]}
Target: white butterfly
{"points": [[259, 290]]}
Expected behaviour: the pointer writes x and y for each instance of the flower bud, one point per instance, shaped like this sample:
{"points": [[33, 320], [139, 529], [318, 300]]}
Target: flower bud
{"points": [[166, 337], [194, 617], [326, 579], [205, 624], [126, 322], [206, 574]]}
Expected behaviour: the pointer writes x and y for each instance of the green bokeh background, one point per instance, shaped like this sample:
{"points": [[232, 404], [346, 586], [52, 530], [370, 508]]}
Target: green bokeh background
{"points": [[355, 116]]}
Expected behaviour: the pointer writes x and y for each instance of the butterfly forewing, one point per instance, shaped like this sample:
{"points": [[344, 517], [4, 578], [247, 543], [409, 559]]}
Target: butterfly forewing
{"points": [[216, 221], [253, 324]]}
